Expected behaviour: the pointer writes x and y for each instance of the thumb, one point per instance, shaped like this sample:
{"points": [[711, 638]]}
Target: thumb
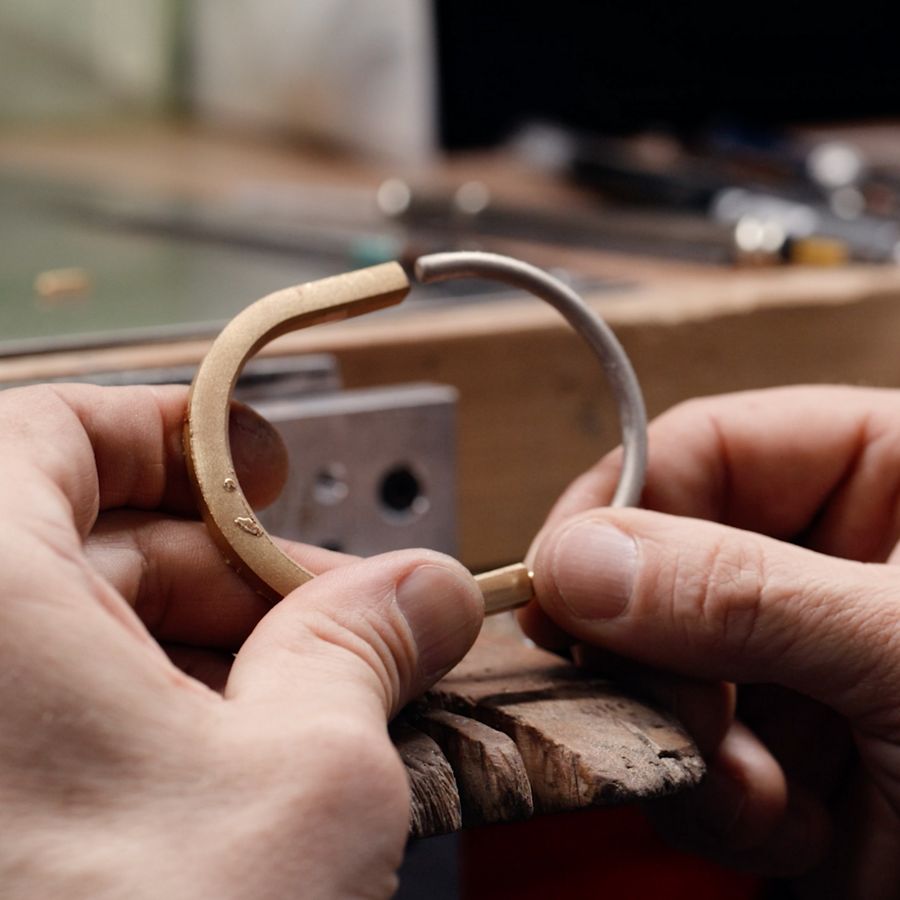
{"points": [[364, 638], [716, 602]]}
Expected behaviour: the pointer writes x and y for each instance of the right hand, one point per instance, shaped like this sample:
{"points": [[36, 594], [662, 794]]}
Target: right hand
{"points": [[766, 557]]}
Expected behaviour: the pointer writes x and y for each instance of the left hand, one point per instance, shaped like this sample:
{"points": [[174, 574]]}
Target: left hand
{"points": [[122, 775]]}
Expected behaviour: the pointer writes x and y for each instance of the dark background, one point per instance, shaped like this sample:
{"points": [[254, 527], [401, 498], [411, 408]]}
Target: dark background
{"points": [[627, 66]]}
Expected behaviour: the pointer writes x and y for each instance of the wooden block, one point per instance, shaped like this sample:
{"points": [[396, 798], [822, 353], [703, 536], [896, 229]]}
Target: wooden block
{"points": [[490, 774], [434, 804], [514, 730], [582, 740]]}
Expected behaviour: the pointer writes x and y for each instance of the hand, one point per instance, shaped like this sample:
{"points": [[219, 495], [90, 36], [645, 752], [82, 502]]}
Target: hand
{"points": [[766, 557], [123, 776]]}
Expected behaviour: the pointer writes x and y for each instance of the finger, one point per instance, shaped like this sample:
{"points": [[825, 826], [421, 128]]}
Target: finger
{"points": [[894, 556], [259, 455], [106, 448], [741, 459], [812, 743], [704, 708], [178, 581], [714, 602], [867, 831], [542, 629], [362, 639], [745, 814]]}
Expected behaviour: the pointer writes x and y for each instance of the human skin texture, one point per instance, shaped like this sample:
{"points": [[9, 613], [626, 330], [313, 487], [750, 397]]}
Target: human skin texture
{"points": [[139, 757], [757, 594]]}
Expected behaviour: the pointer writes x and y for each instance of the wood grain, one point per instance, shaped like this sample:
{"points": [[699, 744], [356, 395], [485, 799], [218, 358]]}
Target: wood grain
{"points": [[583, 740], [490, 774], [524, 731], [434, 798]]}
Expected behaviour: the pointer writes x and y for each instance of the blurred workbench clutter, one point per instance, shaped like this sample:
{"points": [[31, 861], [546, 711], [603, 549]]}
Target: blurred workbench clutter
{"points": [[153, 185], [127, 249]]}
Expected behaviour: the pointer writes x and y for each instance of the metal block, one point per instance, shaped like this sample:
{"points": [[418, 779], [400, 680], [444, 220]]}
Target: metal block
{"points": [[371, 469]]}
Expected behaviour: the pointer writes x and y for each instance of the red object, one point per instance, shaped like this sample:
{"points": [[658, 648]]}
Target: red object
{"points": [[599, 853]]}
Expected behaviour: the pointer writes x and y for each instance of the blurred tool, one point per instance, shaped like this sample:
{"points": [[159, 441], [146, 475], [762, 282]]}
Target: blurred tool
{"points": [[85, 268], [60, 283], [469, 212], [772, 211]]}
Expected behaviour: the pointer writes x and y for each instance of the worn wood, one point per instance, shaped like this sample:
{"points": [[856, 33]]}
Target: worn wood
{"points": [[490, 774], [584, 742], [434, 799], [523, 730]]}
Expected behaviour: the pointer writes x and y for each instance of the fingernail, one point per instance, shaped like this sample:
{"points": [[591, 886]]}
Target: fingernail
{"points": [[252, 427], [254, 444], [442, 609], [594, 567]]}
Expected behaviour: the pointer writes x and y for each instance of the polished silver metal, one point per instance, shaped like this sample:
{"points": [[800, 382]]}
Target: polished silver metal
{"points": [[593, 330]]}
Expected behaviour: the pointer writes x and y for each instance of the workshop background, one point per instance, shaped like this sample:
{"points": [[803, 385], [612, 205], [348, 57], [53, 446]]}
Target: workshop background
{"points": [[722, 183]]}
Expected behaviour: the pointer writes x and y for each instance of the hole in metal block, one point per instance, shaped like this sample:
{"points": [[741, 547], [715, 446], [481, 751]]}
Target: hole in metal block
{"points": [[401, 494]]}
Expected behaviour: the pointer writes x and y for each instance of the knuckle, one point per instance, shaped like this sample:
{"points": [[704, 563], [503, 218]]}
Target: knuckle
{"points": [[722, 590], [373, 644], [696, 412], [866, 629], [695, 406]]}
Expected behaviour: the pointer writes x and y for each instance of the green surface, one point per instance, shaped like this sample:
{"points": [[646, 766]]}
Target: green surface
{"points": [[163, 268], [142, 282]]}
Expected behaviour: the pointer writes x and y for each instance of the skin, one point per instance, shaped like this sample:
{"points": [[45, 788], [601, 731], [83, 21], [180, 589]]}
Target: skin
{"points": [[138, 756], [757, 594]]}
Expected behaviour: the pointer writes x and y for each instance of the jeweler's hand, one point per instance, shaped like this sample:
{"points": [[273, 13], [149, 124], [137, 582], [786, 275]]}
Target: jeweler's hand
{"points": [[767, 560], [123, 776]]}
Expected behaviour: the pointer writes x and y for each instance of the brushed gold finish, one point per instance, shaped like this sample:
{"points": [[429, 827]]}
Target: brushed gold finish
{"points": [[247, 546], [505, 588]]}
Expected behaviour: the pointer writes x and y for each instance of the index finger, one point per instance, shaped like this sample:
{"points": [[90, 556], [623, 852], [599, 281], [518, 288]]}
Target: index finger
{"points": [[821, 463], [113, 447]]}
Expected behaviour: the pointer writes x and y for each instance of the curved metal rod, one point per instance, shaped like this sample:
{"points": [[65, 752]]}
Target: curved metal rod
{"points": [[228, 515], [596, 333], [512, 586]]}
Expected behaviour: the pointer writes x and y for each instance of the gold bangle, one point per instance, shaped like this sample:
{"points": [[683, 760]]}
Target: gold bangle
{"points": [[247, 546]]}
